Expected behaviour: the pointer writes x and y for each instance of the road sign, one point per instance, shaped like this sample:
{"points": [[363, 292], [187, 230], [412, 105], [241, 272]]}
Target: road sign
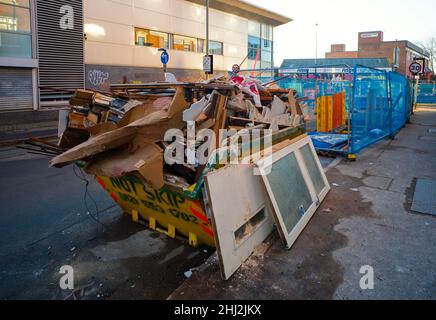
{"points": [[165, 57], [236, 69], [415, 68], [208, 64]]}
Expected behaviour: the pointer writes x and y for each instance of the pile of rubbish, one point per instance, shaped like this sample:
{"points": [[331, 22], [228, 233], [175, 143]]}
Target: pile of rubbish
{"points": [[130, 140], [123, 132]]}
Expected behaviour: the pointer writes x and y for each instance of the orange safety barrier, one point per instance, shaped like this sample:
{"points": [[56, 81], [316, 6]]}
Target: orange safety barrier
{"points": [[331, 113]]}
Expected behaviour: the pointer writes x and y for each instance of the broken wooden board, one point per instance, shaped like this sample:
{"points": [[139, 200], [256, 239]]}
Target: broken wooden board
{"points": [[241, 214], [152, 126], [147, 161], [296, 185]]}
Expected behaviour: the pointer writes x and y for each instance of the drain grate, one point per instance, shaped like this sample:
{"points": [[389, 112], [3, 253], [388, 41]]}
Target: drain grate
{"points": [[424, 200]]}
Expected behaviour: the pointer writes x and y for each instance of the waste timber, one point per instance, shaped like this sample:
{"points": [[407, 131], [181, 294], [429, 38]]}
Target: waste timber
{"points": [[125, 139]]}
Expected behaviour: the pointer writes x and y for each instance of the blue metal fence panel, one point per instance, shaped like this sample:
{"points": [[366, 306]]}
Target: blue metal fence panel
{"points": [[426, 93], [371, 112], [378, 103], [398, 87]]}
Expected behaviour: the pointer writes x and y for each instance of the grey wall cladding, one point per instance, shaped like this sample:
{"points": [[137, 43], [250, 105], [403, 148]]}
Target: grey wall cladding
{"points": [[60, 51]]}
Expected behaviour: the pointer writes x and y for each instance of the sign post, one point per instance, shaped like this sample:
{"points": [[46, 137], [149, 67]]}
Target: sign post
{"points": [[164, 58], [208, 64], [415, 68]]}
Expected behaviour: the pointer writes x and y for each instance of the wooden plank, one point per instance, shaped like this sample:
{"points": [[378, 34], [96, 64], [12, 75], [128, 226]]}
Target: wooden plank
{"points": [[344, 108], [220, 118], [165, 85], [329, 113]]}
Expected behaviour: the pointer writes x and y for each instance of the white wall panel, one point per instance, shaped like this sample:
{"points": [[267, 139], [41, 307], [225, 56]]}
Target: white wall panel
{"points": [[160, 6], [109, 32], [151, 20], [187, 28], [118, 18], [112, 11], [109, 54]]}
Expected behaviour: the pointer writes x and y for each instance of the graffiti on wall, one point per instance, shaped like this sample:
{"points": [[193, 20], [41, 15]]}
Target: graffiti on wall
{"points": [[97, 77]]}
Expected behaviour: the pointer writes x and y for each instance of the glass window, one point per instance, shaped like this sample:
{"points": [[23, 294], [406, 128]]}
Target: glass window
{"points": [[267, 32], [151, 38], [290, 190], [14, 19], [266, 56], [182, 43], [15, 45], [253, 64], [202, 45], [15, 29], [215, 47], [254, 29], [266, 65], [20, 3], [267, 45], [253, 48], [312, 167]]}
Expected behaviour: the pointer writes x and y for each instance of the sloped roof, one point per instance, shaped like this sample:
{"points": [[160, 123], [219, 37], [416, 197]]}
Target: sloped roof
{"points": [[246, 10], [351, 62]]}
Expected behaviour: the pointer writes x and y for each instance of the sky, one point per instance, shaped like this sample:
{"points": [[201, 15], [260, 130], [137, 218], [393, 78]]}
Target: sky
{"points": [[339, 21]]}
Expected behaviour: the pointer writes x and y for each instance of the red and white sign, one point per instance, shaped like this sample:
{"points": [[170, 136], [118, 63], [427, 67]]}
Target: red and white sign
{"points": [[415, 68], [236, 69]]}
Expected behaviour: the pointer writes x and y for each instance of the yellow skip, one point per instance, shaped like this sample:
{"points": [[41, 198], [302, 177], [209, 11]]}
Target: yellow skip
{"points": [[193, 240], [171, 231], [135, 216]]}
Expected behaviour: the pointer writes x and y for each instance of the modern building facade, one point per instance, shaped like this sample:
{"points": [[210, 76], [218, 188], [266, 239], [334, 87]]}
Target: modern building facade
{"points": [[400, 54], [47, 46]]}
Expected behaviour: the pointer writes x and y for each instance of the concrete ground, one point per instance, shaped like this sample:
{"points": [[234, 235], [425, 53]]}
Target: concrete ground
{"points": [[17, 126], [44, 225], [366, 220]]}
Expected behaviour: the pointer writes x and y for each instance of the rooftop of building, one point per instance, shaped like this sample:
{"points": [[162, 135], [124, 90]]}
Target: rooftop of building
{"points": [[349, 62], [247, 10]]}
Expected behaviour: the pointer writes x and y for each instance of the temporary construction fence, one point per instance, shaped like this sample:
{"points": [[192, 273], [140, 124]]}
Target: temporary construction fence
{"points": [[426, 93], [351, 115], [311, 87]]}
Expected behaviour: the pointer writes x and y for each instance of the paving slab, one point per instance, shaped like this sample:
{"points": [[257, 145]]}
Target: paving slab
{"points": [[378, 182], [424, 200]]}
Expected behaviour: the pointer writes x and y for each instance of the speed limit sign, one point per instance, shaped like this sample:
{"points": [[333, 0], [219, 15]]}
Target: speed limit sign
{"points": [[415, 68]]}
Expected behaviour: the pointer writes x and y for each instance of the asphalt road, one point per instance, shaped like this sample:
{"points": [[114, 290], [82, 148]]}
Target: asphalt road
{"points": [[45, 224]]}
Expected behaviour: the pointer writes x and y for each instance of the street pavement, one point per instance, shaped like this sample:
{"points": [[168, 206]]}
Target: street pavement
{"points": [[46, 223], [365, 232]]}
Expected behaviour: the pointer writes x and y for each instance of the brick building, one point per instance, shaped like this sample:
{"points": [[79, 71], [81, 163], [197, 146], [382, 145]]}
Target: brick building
{"points": [[371, 45]]}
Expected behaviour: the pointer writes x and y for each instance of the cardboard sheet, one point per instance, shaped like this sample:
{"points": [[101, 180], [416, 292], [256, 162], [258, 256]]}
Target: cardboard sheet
{"points": [[153, 126], [147, 161]]}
